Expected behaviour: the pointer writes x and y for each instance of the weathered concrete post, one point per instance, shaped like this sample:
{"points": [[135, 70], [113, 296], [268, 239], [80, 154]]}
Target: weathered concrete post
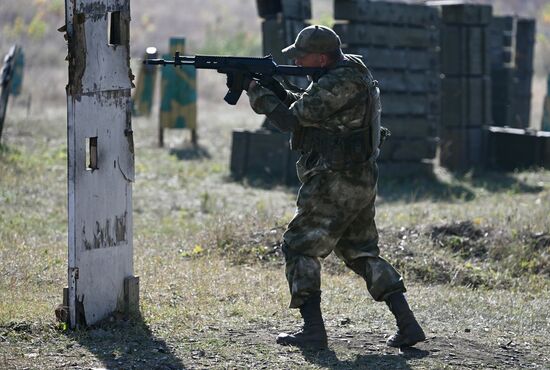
{"points": [[100, 160]]}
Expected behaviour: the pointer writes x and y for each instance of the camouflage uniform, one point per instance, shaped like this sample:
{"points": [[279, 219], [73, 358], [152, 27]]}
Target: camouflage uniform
{"points": [[335, 207]]}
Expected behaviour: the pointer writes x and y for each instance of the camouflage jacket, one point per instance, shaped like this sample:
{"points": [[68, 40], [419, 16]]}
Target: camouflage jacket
{"points": [[337, 102]]}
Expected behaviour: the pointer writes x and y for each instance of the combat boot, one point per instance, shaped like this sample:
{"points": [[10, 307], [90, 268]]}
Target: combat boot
{"points": [[409, 331], [313, 334]]}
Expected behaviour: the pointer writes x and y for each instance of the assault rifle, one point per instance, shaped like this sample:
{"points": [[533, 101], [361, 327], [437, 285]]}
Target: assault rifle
{"points": [[241, 71]]}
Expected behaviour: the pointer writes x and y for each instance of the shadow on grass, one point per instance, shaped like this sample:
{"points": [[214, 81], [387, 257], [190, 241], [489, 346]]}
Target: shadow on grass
{"points": [[498, 182], [264, 182], [429, 187], [408, 189], [411, 189], [190, 152], [462, 186], [328, 359], [126, 345]]}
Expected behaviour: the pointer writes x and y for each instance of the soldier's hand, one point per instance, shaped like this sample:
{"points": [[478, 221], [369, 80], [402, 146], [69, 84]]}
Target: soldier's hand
{"points": [[272, 84], [252, 85]]}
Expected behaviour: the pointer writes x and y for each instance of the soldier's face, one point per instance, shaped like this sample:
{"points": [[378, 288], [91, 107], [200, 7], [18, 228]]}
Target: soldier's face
{"points": [[311, 60]]}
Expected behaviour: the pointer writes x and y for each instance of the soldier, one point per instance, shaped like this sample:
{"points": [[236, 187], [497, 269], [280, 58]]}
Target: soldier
{"points": [[335, 123]]}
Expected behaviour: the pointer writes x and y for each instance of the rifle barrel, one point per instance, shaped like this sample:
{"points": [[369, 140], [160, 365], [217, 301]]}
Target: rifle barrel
{"points": [[177, 62], [219, 62]]}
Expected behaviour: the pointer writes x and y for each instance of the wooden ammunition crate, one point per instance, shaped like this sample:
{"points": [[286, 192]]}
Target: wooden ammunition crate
{"points": [[386, 12], [525, 45], [525, 50], [503, 82], [277, 34], [462, 148], [471, 14], [380, 58], [263, 155], [410, 104], [465, 50], [466, 102], [502, 33], [522, 94], [294, 9], [397, 149], [411, 127], [512, 148], [360, 34], [408, 81], [503, 29], [266, 156]]}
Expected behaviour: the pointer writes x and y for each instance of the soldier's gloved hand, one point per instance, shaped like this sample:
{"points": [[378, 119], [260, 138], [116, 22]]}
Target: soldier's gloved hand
{"points": [[243, 82], [252, 85], [262, 100], [275, 86]]}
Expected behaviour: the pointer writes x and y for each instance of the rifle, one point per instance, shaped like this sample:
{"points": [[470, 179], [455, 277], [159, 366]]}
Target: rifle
{"points": [[241, 71]]}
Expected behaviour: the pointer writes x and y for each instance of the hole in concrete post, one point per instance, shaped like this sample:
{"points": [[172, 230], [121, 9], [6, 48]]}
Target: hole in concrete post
{"points": [[113, 28], [91, 153]]}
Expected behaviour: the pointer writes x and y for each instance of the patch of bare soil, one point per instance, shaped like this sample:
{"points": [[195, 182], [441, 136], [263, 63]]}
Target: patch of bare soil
{"points": [[262, 246], [133, 345], [462, 237], [353, 348]]}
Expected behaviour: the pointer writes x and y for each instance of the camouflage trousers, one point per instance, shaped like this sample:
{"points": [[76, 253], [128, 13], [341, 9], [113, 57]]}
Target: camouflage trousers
{"points": [[335, 212]]}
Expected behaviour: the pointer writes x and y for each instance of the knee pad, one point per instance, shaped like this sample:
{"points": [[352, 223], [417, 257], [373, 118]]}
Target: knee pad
{"points": [[359, 266]]}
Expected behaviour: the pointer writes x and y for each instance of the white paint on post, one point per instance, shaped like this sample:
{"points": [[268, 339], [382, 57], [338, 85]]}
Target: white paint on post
{"points": [[100, 158]]}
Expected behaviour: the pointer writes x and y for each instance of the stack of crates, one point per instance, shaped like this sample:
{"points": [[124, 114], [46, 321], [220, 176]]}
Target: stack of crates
{"points": [[282, 21], [466, 86], [503, 72], [265, 154], [513, 148], [525, 51], [512, 49], [512, 53], [399, 43]]}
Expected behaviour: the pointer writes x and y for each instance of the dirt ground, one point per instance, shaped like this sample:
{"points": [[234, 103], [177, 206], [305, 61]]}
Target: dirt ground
{"points": [[237, 341], [350, 348]]}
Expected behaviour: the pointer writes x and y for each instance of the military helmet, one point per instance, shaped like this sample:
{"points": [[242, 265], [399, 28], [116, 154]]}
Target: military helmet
{"points": [[313, 39]]}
